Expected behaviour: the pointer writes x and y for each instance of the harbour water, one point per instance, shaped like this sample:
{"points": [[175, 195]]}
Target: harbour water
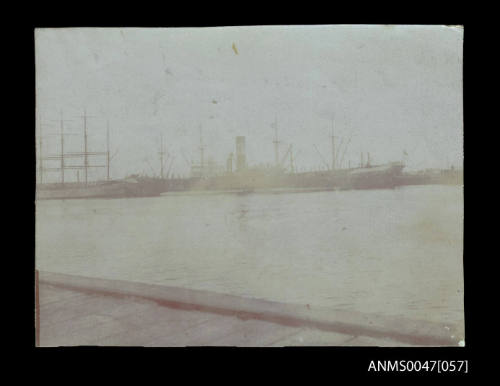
{"points": [[395, 252]]}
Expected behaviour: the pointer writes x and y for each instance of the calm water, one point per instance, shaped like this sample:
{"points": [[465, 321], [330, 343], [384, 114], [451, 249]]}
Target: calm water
{"points": [[394, 252]]}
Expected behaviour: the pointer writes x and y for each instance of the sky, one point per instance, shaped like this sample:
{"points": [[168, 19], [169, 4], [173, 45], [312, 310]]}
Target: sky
{"points": [[384, 89]]}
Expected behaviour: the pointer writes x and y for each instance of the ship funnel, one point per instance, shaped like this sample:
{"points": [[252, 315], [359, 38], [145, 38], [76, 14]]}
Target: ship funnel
{"points": [[241, 161]]}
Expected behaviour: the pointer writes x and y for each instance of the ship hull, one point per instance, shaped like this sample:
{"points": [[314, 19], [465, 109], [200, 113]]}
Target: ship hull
{"points": [[375, 177], [443, 177], [107, 189]]}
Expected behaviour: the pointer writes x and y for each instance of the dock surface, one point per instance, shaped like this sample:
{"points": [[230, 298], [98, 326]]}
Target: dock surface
{"points": [[76, 311]]}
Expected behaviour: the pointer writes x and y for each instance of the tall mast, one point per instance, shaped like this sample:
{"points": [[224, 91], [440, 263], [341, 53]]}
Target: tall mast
{"points": [[202, 156], [85, 156], [333, 148], [62, 148], [107, 150], [162, 151], [276, 142], [40, 166], [343, 154]]}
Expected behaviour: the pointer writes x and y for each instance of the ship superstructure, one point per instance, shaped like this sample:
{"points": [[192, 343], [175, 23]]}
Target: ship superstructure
{"points": [[240, 176]]}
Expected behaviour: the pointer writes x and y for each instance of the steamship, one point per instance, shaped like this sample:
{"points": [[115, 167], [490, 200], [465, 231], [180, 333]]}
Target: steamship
{"points": [[207, 176]]}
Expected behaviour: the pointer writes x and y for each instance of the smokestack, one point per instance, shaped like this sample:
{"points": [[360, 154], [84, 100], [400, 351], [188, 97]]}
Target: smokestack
{"points": [[241, 161]]}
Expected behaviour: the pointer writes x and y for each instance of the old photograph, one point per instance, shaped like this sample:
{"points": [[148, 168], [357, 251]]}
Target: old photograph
{"points": [[249, 186]]}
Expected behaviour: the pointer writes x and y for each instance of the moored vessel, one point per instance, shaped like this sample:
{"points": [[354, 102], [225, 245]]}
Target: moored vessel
{"points": [[129, 187]]}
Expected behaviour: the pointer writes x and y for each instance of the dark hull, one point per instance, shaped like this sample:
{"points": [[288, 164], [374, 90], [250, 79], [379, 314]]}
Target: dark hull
{"points": [[108, 189], [377, 177]]}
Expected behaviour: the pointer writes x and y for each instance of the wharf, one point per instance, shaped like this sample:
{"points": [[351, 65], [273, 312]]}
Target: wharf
{"points": [[75, 311]]}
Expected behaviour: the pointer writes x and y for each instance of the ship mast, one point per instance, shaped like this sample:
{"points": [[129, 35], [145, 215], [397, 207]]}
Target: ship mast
{"points": [[107, 150], [321, 156], [85, 155], [276, 143], [162, 153], [202, 153], [59, 157], [40, 166], [343, 153], [333, 148], [62, 148]]}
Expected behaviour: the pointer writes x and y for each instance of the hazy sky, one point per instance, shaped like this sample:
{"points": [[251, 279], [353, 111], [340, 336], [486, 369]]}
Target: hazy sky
{"points": [[388, 88]]}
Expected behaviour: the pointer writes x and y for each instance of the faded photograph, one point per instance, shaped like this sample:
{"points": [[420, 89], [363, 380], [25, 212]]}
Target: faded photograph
{"points": [[249, 186]]}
